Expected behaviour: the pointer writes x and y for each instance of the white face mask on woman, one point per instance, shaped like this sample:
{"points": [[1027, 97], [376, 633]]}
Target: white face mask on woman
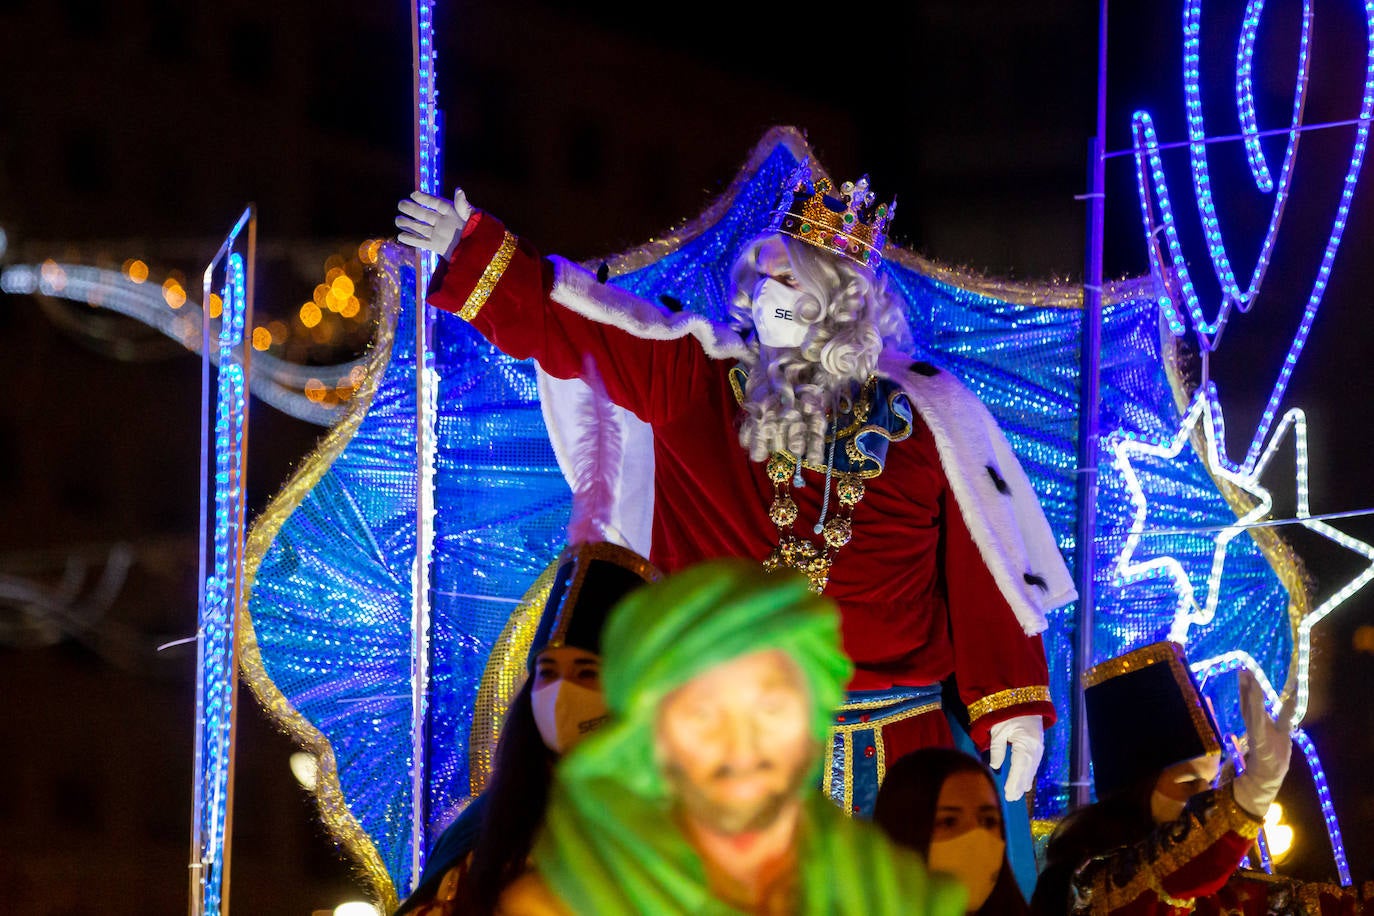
{"points": [[775, 314], [565, 713], [975, 858]]}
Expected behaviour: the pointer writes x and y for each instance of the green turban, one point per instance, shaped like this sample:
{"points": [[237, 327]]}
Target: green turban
{"points": [[609, 844]]}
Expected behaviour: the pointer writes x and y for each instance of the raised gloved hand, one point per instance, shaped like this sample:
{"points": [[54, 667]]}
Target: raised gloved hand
{"points": [[433, 223], [1025, 736], [1270, 746]]}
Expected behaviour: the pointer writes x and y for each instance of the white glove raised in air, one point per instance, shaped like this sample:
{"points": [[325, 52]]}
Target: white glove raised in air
{"points": [[1025, 735], [433, 223], [1270, 746]]}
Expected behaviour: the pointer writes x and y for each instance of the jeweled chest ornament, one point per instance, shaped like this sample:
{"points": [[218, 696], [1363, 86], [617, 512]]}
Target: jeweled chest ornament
{"points": [[798, 552]]}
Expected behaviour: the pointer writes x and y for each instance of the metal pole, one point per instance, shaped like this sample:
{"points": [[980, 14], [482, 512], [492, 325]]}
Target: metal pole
{"points": [[1080, 782]]}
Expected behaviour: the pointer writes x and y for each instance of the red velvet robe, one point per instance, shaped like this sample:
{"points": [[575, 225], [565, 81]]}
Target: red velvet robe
{"points": [[917, 601]]}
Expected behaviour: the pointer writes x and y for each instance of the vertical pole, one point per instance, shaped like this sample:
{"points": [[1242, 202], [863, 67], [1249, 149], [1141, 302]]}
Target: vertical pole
{"points": [[222, 520], [239, 514], [426, 384], [1080, 782]]}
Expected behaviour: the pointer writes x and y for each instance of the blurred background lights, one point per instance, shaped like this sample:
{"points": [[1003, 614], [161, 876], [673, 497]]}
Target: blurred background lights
{"points": [[306, 769], [262, 338], [1278, 834], [310, 314], [136, 270], [356, 908], [173, 293]]}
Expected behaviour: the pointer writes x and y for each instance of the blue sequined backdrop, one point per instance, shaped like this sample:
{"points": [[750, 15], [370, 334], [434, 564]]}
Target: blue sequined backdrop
{"points": [[331, 606]]}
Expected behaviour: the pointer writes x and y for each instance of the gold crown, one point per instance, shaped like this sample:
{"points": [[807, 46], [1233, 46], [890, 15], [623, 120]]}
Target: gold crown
{"points": [[850, 225]]}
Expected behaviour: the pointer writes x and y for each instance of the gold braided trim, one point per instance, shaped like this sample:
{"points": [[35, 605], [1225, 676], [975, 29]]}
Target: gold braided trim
{"points": [[1223, 816], [1161, 653], [333, 807], [490, 277], [877, 723], [1004, 698]]}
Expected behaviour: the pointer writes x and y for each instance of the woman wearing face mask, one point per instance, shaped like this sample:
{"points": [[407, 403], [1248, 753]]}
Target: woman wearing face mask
{"points": [[944, 804], [1160, 839], [559, 704]]}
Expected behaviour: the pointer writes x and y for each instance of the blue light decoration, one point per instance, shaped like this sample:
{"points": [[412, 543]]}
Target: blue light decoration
{"points": [[1172, 270], [1181, 307], [223, 529], [427, 171]]}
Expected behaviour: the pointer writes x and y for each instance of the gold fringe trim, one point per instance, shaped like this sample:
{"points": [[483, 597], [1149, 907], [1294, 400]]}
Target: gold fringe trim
{"points": [[329, 797], [1056, 293]]}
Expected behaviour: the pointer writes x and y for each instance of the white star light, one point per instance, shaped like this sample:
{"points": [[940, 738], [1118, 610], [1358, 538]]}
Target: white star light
{"points": [[1189, 611], [1296, 420]]}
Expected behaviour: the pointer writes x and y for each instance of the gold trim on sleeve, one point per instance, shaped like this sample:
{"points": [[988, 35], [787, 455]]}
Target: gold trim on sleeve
{"points": [[1004, 698], [490, 277]]}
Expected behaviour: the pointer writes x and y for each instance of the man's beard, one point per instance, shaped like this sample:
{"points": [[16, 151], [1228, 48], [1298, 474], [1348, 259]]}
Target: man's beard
{"points": [[736, 818]]}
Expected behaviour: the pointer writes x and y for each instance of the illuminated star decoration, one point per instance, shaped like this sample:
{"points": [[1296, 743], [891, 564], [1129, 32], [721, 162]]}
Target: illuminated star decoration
{"points": [[1296, 420], [1124, 445]]}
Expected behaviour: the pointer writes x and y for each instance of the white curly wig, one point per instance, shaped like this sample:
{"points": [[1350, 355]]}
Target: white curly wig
{"points": [[852, 317]]}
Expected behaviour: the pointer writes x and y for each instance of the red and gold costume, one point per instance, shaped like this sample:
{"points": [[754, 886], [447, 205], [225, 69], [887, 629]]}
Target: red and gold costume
{"points": [[919, 598]]}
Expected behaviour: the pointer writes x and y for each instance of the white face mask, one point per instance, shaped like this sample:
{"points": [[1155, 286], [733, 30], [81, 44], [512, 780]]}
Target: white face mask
{"points": [[975, 858], [775, 314], [565, 713]]}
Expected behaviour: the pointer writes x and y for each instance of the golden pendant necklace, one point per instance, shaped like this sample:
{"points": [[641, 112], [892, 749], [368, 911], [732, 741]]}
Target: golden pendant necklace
{"points": [[799, 552]]}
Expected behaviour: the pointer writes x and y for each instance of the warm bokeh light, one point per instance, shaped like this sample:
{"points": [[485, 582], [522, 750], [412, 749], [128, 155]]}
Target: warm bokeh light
{"points": [[306, 769], [216, 305], [173, 293], [310, 314], [1364, 639], [54, 277], [1280, 837], [368, 251], [344, 390], [1274, 815], [278, 331], [342, 286], [262, 338], [356, 376], [356, 908], [136, 270], [350, 308], [315, 390]]}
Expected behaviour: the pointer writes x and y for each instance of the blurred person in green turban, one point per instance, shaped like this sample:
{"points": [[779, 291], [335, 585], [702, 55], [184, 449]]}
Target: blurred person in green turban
{"points": [[699, 796]]}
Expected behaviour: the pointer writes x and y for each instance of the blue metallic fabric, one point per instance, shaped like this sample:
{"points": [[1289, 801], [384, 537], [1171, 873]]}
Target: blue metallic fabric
{"points": [[331, 604], [856, 759]]}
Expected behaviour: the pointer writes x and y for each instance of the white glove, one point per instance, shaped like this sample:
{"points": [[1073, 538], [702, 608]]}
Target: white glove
{"points": [[1025, 735], [433, 223], [1270, 746]]}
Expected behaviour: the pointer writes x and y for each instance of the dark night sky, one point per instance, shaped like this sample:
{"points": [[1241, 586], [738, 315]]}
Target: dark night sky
{"points": [[976, 114]]}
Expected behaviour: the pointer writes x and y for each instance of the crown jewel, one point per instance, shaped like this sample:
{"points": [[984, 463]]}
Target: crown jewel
{"points": [[850, 225]]}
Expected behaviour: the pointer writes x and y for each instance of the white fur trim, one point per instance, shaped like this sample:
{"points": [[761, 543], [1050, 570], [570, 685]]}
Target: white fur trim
{"points": [[1010, 529], [576, 288]]}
